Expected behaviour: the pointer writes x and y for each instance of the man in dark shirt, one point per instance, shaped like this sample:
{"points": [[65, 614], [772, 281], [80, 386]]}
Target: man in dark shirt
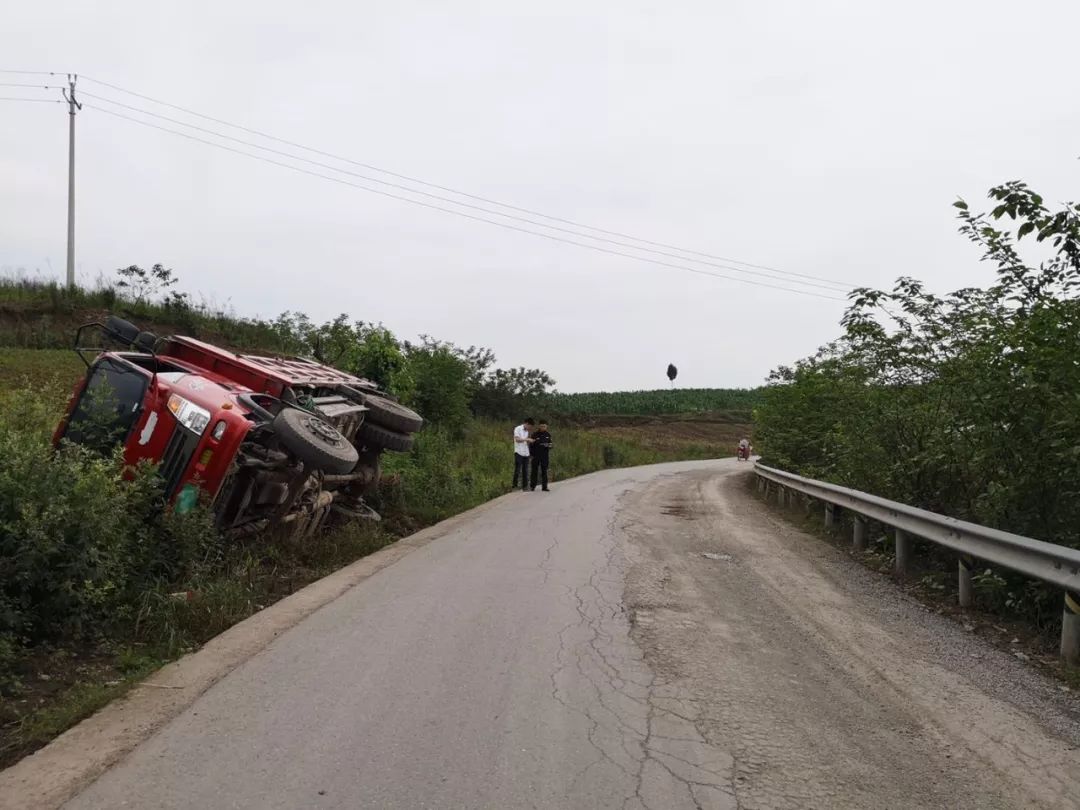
{"points": [[539, 450]]}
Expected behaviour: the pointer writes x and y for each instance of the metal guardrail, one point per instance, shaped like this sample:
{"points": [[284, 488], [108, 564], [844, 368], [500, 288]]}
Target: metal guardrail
{"points": [[1047, 562]]}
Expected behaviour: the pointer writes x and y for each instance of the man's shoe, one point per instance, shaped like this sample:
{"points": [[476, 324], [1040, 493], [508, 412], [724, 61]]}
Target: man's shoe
{"points": [[545, 489]]}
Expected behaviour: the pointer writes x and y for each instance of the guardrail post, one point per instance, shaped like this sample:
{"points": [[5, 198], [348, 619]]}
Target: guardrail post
{"points": [[964, 566], [858, 533], [830, 516], [760, 484], [903, 552], [1070, 629]]}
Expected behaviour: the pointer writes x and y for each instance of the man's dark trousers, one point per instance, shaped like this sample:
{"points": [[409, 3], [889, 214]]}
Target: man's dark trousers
{"points": [[521, 465], [539, 464]]}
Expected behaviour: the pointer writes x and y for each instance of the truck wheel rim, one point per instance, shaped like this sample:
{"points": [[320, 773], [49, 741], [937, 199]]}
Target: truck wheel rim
{"points": [[323, 431]]}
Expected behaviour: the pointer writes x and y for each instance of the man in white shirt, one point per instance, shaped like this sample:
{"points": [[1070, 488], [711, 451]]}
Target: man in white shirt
{"points": [[521, 453]]}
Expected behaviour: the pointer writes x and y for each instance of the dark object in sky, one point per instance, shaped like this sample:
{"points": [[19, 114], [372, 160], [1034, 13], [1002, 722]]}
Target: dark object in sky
{"points": [[672, 372]]}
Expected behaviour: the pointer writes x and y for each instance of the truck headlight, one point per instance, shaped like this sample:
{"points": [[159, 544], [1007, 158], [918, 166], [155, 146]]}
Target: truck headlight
{"points": [[189, 414]]}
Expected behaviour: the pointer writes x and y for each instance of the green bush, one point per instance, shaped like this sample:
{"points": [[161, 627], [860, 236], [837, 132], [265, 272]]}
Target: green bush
{"points": [[964, 404], [80, 540], [441, 391]]}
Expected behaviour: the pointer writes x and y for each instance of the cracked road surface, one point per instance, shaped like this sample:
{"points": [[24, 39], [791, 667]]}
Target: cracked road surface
{"points": [[577, 649]]}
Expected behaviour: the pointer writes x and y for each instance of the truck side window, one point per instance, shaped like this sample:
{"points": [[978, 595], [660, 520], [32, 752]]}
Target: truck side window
{"points": [[108, 407]]}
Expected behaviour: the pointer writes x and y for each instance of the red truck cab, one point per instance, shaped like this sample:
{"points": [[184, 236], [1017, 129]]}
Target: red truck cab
{"points": [[267, 441]]}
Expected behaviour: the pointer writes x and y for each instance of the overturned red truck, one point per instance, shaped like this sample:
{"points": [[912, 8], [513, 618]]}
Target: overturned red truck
{"points": [[268, 441]]}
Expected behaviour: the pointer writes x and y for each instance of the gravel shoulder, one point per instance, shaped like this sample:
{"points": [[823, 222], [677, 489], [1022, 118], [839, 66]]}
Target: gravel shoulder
{"points": [[825, 684]]}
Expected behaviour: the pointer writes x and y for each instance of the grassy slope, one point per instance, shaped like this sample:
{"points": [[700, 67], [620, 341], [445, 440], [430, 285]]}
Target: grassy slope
{"points": [[43, 315]]}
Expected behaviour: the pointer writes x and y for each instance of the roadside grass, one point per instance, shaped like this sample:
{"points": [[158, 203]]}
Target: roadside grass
{"points": [[1071, 675], [47, 686]]}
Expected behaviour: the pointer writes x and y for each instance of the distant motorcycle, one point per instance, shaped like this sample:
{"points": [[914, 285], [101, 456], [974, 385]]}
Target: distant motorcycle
{"points": [[742, 453]]}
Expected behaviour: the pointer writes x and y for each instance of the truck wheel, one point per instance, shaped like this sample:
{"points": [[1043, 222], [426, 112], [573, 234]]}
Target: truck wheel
{"points": [[124, 331], [146, 341], [373, 436], [315, 442], [392, 415]]}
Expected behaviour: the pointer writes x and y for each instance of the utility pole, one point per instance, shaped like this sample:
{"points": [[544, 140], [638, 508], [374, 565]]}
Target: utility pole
{"points": [[73, 106]]}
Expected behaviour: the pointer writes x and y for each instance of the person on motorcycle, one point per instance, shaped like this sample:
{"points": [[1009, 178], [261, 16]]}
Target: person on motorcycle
{"points": [[744, 448]]}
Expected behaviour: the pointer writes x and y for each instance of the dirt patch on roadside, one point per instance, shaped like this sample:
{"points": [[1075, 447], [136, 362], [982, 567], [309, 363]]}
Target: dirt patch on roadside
{"points": [[658, 433]]}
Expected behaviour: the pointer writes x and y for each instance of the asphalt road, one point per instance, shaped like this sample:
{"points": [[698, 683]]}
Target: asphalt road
{"points": [[578, 649]]}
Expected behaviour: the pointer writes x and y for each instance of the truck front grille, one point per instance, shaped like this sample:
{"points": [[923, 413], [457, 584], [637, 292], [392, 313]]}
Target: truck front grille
{"points": [[176, 458]]}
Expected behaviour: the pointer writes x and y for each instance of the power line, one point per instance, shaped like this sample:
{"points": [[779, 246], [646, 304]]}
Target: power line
{"points": [[32, 86], [431, 206], [453, 201], [489, 201], [44, 100], [36, 72]]}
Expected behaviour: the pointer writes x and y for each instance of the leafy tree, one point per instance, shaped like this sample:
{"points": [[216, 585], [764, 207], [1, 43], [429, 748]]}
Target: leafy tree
{"points": [[442, 387], [443, 381], [335, 342], [508, 393], [947, 402], [292, 332], [379, 357], [144, 285]]}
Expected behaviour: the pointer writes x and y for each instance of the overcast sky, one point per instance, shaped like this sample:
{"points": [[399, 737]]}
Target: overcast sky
{"points": [[822, 138]]}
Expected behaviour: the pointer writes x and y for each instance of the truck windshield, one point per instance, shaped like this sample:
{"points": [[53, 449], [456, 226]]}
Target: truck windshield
{"points": [[109, 405]]}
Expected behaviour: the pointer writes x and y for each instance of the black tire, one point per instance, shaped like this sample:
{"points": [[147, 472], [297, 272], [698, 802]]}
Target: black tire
{"points": [[146, 341], [393, 415], [119, 329], [377, 437], [315, 442]]}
